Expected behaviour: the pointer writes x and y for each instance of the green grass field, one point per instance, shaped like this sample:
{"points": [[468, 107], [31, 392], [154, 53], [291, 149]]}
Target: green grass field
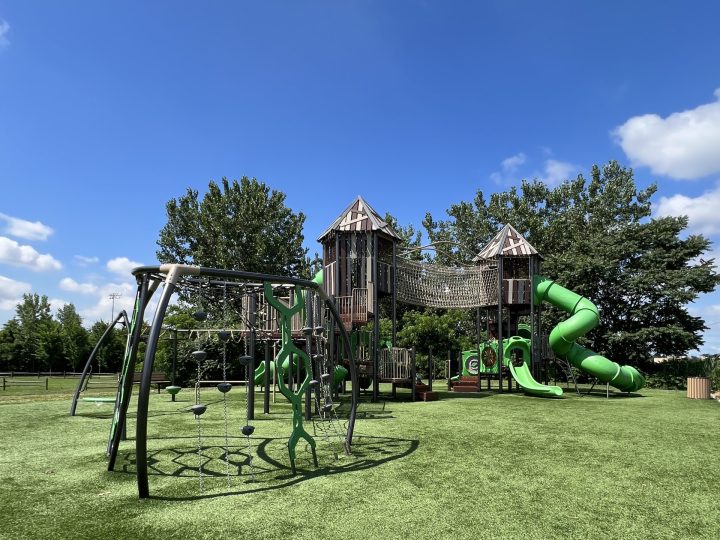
{"points": [[485, 465]]}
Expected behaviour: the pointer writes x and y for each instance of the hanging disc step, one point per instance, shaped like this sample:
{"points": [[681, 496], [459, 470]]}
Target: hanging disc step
{"points": [[224, 387], [198, 409]]}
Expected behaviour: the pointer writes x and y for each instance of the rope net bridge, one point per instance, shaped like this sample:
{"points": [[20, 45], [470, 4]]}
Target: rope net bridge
{"points": [[436, 286]]}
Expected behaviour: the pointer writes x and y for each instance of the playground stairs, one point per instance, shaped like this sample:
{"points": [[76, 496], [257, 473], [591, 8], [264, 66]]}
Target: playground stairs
{"points": [[423, 393], [422, 390], [465, 384]]}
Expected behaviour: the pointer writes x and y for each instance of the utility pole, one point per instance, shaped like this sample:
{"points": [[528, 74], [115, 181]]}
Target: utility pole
{"points": [[113, 297]]}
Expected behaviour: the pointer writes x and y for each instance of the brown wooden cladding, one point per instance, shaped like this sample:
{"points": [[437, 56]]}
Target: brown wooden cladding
{"points": [[517, 291]]}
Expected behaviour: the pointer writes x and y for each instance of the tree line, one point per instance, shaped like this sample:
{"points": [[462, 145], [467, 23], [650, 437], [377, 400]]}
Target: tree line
{"points": [[597, 236], [35, 340]]}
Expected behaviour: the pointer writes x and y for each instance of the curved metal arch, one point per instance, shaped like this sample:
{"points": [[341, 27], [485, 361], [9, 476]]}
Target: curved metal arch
{"points": [[88, 365]]}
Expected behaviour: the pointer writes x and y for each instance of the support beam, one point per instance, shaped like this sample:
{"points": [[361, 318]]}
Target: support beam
{"points": [[394, 293], [250, 381], [141, 461], [266, 379], [500, 324], [376, 323]]}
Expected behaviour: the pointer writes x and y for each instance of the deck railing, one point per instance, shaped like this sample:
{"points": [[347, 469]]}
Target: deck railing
{"points": [[395, 363]]}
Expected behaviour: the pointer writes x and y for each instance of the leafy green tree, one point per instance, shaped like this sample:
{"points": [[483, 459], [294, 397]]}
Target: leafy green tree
{"points": [[110, 356], [443, 331], [11, 352], [35, 324], [410, 238], [236, 225], [598, 239], [74, 337]]}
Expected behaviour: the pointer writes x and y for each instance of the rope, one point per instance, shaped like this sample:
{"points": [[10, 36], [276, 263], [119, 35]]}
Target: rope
{"points": [[225, 404], [251, 461], [200, 456], [433, 285]]}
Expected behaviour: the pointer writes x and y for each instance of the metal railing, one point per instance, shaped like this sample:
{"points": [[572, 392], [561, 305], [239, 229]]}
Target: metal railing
{"points": [[395, 363]]}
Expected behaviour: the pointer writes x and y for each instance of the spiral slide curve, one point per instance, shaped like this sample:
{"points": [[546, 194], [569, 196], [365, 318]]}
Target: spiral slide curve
{"points": [[584, 317]]}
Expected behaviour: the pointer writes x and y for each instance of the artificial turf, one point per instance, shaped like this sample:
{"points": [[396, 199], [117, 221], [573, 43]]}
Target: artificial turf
{"points": [[467, 466]]}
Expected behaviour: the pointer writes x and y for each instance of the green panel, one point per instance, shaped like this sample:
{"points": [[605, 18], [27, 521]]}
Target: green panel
{"points": [[287, 348]]}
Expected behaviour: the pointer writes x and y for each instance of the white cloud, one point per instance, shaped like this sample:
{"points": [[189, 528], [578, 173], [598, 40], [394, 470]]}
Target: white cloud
{"points": [[13, 253], [513, 162], [103, 308], [702, 211], [27, 230], [69, 284], [556, 172], [11, 292], [56, 304], [683, 146], [508, 166], [122, 266], [4, 29], [82, 260]]}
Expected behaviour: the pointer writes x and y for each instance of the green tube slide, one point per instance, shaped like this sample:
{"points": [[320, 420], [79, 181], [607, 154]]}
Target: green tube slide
{"points": [[584, 317], [521, 372]]}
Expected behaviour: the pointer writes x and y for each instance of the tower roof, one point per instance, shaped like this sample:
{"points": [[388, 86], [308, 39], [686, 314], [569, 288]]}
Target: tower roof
{"points": [[508, 243], [359, 216]]}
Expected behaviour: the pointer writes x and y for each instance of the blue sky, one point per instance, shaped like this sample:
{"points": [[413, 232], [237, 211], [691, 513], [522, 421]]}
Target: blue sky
{"points": [[107, 110]]}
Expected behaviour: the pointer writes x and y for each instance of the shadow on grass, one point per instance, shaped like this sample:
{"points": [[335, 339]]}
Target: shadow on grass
{"points": [[467, 395], [613, 395], [261, 464]]}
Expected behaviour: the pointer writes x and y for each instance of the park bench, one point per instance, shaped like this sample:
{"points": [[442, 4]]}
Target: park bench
{"points": [[156, 378], [25, 382], [96, 382]]}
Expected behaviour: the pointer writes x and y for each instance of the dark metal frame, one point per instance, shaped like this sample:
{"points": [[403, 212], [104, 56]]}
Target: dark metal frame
{"points": [[88, 365], [171, 274], [146, 289]]}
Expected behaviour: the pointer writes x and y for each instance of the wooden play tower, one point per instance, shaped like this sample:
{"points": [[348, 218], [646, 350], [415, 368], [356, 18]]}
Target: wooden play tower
{"points": [[359, 254]]}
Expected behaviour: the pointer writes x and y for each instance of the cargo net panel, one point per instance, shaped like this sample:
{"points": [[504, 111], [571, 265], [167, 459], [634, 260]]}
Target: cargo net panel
{"points": [[432, 285]]}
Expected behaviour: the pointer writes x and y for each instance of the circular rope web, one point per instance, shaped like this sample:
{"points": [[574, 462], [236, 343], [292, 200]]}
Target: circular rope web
{"points": [[433, 285]]}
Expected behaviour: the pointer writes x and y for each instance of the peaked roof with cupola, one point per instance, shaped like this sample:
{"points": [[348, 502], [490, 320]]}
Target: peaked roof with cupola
{"points": [[507, 243], [359, 217]]}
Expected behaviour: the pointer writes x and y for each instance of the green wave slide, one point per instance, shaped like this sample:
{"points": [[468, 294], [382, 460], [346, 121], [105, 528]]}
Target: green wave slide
{"points": [[522, 374], [338, 375]]}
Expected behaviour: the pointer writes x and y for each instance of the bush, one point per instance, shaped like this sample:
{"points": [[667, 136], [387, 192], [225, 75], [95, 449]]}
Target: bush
{"points": [[673, 374]]}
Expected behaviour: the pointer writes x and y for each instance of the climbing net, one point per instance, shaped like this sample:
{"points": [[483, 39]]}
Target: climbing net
{"points": [[437, 286]]}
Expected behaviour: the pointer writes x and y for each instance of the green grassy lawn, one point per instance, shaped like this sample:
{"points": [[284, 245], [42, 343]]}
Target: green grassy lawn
{"points": [[468, 466]]}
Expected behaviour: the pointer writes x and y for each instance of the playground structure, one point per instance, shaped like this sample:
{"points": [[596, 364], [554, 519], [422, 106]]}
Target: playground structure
{"points": [[362, 266], [327, 330], [221, 296]]}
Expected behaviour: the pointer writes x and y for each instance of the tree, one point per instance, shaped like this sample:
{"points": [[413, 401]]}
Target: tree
{"points": [[598, 239], [110, 356], [11, 358], [74, 337], [410, 238], [35, 324], [238, 225], [443, 331]]}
